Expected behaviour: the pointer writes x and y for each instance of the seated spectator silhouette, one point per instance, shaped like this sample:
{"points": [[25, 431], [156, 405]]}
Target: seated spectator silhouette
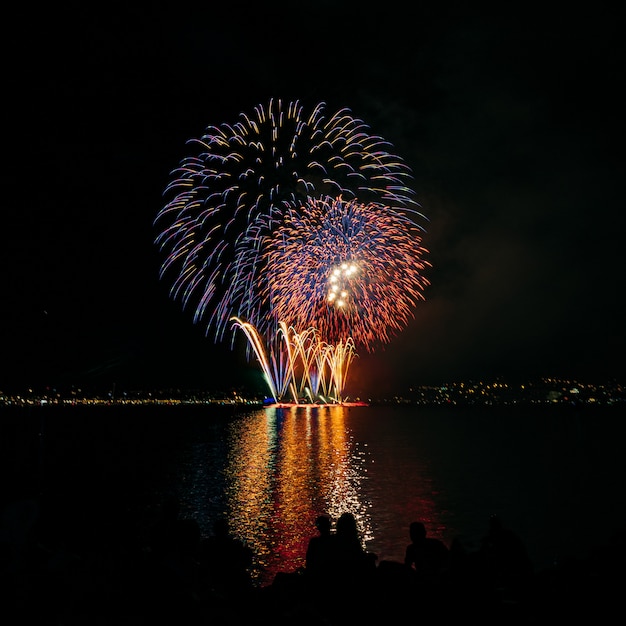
{"points": [[316, 575], [350, 560], [504, 561], [427, 556], [320, 549], [463, 588], [353, 574], [226, 561]]}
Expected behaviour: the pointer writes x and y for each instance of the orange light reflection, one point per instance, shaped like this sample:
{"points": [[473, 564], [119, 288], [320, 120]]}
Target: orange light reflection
{"points": [[286, 466]]}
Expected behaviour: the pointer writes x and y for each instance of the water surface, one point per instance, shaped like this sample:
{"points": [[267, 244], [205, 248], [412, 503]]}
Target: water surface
{"points": [[553, 474]]}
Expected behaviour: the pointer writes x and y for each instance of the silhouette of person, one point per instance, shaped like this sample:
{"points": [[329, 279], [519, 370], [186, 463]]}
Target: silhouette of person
{"points": [[463, 592], [350, 557], [503, 556], [427, 556], [320, 548], [290, 588], [347, 574], [227, 560]]}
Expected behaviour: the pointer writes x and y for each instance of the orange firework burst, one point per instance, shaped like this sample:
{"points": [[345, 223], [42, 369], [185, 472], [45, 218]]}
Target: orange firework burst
{"points": [[347, 269]]}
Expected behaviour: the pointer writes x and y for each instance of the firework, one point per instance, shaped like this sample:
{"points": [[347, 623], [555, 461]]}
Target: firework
{"points": [[299, 364], [245, 185], [347, 268]]}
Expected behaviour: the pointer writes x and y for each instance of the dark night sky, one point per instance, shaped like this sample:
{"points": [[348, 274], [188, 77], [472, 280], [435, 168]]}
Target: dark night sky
{"points": [[513, 126]]}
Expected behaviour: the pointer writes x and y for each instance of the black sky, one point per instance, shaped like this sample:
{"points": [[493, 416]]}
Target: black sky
{"points": [[513, 126]]}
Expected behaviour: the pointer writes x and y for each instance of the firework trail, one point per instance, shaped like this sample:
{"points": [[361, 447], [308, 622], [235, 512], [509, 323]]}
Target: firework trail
{"points": [[245, 182], [299, 365], [349, 269]]}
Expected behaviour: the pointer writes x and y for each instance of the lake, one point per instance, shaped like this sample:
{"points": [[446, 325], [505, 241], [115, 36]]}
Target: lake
{"points": [[554, 474]]}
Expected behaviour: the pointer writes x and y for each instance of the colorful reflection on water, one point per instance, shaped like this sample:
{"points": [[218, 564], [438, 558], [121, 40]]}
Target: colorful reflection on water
{"points": [[282, 467], [272, 471], [285, 467]]}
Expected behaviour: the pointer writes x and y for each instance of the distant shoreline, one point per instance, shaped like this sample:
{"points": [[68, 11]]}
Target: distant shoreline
{"points": [[546, 391]]}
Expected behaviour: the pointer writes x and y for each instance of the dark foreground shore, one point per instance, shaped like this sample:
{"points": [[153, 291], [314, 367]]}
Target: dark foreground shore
{"points": [[57, 571]]}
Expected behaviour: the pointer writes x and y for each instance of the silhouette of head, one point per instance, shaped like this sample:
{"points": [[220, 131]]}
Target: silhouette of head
{"points": [[346, 525], [495, 523], [417, 531], [220, 527], [323, 524]]}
